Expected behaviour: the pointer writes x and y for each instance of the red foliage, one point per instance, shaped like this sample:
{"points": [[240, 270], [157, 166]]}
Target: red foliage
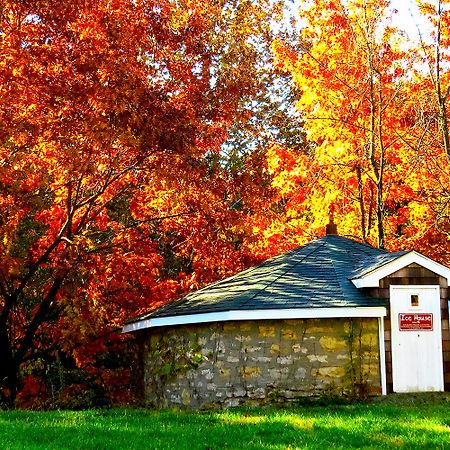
{"points": [[111, 114], [33, 393]]}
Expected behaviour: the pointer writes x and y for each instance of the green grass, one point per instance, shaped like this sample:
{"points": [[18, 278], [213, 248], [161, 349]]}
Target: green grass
{"points": [[396, 422]]}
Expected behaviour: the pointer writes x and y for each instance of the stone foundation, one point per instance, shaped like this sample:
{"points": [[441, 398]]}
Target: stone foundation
{"points": [[258, 362]]}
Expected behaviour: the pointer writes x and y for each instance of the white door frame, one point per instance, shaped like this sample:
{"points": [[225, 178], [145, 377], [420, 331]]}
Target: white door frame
{"points": [[399, 341], [382, 351]]}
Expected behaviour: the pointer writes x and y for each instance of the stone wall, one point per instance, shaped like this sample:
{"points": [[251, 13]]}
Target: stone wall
{"points": [[258, 362]]}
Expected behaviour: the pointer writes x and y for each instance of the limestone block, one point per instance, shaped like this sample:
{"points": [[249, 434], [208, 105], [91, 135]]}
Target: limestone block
{"points": [[275, 374], [332, 344], [285, 349], [185, 397], [297, 348], [332, 372], [246, 326], [229, 326], [242, 338], [205, 352], [248, 371], [190, 375], [211, 387], [266, 331], [252, 349], [300, 373], [232, 359], [369, 369], [370, 325], [315, 329], [225, 373], [287, 393], [317, 358], [319, 330], [231, 402], [294, 322], [289, 335], [219, 347], [257, 393], [373, 355], [347, 327], [284, 359], [239, 392], [369, 339], [208, 374], [261, 359]]}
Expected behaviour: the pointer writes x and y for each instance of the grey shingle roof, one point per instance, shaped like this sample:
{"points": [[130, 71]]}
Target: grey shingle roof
{"points": [[316, 275], [374, 262]]}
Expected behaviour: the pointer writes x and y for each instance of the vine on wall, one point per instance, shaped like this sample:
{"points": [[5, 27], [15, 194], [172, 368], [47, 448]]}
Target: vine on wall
{"points": [[171, 356], [357, 370]]}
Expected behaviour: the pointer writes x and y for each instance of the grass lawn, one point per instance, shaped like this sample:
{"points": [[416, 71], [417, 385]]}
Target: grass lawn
{"points": [[415, 421]]}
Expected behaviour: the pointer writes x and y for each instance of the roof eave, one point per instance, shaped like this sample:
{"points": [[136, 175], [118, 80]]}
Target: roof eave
{"points": [[258, 314], [373, 277]]}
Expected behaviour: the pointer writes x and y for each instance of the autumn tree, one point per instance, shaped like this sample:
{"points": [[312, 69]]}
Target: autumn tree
{"points": [[108, 112], [434, 48], [430, 91], [353, 76]]}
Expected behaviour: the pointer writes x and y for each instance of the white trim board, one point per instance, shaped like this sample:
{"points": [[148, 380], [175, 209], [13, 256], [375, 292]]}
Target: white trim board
{"points": [[257, 314], [372, 278], [382, 353]]}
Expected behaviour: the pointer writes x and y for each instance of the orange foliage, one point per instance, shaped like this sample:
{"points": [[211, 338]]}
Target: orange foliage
{"points": [[379, 157], [111, 116]]}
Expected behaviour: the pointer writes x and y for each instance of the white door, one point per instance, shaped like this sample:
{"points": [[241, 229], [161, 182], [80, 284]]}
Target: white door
{"points": [[416, 339]]}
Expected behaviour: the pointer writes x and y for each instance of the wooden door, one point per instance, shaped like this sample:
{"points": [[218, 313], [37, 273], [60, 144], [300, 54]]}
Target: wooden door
{"points": [[417, 360]]}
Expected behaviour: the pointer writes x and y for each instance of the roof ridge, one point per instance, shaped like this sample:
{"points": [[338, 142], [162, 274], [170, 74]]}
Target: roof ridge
{"points": [[368, 246], [321, 244], [338, 278]]}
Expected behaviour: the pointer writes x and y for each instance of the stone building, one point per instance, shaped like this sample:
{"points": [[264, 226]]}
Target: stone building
{"points": [[332, 317]]}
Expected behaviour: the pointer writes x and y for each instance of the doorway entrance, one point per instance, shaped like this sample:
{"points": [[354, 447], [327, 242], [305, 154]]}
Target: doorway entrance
{"points": [[417, 362]]}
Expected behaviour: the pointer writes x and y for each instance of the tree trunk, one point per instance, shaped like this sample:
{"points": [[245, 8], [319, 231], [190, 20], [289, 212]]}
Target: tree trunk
{"points": [[12, 355], [362, 207], [9, 370], [380, 214]]}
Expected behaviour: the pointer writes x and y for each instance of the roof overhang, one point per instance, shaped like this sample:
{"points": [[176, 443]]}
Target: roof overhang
{"points": [[373, 277], [258, 314]]}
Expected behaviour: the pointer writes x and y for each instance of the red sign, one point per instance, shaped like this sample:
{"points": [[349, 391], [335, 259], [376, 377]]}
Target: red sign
{"points": [[415, 321]]}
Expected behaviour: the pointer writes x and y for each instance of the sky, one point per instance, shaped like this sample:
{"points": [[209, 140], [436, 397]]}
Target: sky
{"points": [[407, 17]]}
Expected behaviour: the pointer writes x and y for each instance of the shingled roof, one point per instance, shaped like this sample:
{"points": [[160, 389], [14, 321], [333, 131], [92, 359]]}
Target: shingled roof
{"points": [[317, 275]]}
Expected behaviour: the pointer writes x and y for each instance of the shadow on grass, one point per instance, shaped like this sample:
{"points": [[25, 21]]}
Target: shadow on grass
{"points": [[337, 426]]}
